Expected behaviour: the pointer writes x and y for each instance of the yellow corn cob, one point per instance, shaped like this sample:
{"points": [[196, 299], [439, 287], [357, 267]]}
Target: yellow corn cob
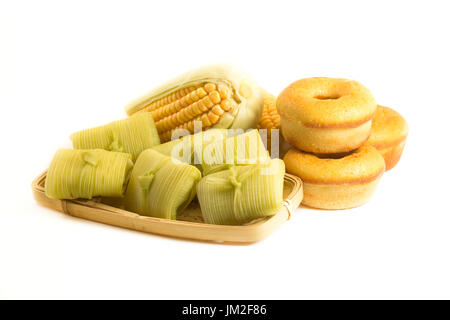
{"points": [[270, 118], [215, 96], [206, 103]]}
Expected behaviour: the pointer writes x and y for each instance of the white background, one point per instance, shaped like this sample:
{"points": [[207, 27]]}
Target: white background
{"points": [[66, 66]]}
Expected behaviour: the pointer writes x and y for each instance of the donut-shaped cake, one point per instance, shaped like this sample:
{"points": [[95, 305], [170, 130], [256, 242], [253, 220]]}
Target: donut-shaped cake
{"points": [[388, 135], [337, 181], [326, 115]]}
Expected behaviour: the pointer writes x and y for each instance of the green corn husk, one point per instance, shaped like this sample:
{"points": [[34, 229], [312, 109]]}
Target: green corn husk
{"points": [[186, 148], [132, 135], [242, 149], [87, 173], [242, 193], [160, 186]]}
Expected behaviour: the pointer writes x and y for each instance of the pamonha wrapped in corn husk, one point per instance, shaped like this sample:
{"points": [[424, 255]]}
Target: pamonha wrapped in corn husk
{"points": [[217, 96], [188, 148], [132, 135], [242, 193], [160, 186], [242, 149], [87, 173]]}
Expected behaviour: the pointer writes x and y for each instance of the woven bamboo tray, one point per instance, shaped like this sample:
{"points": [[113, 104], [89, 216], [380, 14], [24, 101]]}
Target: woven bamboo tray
{"points": [[189, 224]]}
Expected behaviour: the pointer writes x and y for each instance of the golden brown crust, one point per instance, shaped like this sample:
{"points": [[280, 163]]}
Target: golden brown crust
{"points": [[392, 154], [361, 166], [327, 103], [388, 135], [344, 125], [317, 140], [338, 197], [349, 182], [389, 128]]}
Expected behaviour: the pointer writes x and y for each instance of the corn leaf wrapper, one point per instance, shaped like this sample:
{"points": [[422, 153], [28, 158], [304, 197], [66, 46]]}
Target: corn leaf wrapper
{"points": [[87, 173], [132, 135], [189, 148], [242, 149], [160, 186], [242, 193]]}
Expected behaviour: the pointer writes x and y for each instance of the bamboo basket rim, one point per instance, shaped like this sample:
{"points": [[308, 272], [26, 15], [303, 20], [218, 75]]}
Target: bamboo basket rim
{"points": [[94, 210]]}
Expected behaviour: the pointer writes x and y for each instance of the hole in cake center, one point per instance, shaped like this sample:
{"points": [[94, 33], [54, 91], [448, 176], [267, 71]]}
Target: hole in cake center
{"points": [[333, 155], [327, 97]]}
